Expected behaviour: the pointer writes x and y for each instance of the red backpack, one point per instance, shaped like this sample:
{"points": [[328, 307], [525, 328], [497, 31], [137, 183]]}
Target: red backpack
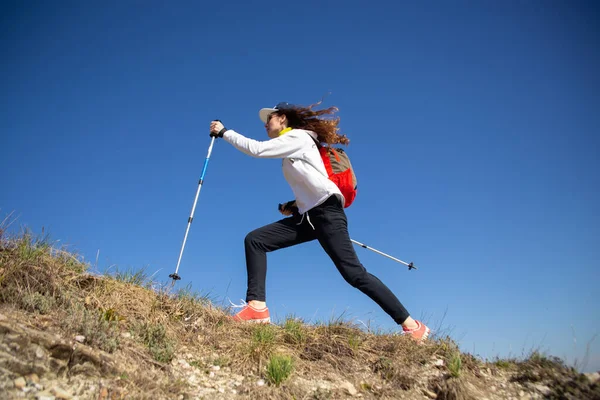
{"points": [[340, 171]]}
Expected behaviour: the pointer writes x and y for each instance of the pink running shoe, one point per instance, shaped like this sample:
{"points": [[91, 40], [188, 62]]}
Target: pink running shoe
{"points": [[420, 333], [251, 314]]}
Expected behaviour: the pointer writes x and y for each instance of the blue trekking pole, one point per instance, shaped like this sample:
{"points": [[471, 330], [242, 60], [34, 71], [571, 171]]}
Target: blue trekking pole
{"points": [[175, 276]]}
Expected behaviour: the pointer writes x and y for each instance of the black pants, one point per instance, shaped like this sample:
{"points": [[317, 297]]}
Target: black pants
{"points": [[331, 230]]}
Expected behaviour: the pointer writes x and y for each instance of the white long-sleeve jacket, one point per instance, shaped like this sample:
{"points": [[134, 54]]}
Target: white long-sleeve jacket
{"points": [[302, 165]]}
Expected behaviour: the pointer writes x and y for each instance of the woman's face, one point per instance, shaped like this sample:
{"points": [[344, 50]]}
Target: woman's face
{"points": [[275, 124]]}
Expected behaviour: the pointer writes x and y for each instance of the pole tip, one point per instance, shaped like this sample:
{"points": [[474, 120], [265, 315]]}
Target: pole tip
{"points": [[175, 277], [411, 266]]}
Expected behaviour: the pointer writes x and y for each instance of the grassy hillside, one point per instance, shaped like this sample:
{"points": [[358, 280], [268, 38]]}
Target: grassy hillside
{"points": [[68, 333]]}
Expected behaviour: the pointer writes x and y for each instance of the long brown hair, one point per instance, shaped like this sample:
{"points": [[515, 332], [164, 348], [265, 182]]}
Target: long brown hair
{"points": [[306, 118]]}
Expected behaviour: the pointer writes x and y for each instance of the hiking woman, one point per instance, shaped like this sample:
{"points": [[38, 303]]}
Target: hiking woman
{"points": [[320, 209]]}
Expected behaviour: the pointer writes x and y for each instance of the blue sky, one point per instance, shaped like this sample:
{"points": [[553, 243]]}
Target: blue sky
{"points": [[474, 133]]}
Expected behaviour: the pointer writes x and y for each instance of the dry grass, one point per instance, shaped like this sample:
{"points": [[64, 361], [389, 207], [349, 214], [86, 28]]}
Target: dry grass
{"points": [[38, 278], [41, 280]]}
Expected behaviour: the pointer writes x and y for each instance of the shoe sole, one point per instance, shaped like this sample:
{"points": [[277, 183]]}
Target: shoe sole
{"points": [[255, 321], [261, 321], [426, 334]]}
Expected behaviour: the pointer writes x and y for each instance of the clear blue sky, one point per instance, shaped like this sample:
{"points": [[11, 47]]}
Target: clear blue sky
{"points": [[474, 132]]}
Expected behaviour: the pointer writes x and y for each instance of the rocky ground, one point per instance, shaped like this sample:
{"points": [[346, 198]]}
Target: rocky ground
{"points": [[36, 364], [69, 334]]}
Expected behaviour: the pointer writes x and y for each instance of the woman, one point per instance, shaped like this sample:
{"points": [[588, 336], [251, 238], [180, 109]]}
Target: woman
{"points": [[320, 209]]}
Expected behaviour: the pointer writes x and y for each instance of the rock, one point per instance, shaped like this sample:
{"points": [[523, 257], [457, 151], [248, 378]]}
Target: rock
{"points": [[429, 394], [44, 397], [60, 393], [349, 388], [39, 352], [521, 393], [439, 363], [32, 379], [493, 388], [126, 335], [593, 376], [543, 389], [216, 368], [20, 383], [261, 382], [103, 395], [80, 338], [211, 374], [221, 390]]}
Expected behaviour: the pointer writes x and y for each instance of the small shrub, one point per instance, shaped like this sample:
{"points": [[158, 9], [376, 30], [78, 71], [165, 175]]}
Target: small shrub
{"points": [[97, 330], [154, 336], [37, 302]]}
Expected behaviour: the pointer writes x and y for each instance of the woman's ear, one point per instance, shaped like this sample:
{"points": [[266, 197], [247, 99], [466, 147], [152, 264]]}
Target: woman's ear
{"points": [[284, 120]]}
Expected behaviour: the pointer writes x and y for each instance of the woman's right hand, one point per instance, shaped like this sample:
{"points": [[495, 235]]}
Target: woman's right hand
{"points": [[216, 127]]}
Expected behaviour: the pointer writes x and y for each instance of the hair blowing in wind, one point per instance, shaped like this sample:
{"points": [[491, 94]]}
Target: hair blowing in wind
{"points": [[309, 119]]}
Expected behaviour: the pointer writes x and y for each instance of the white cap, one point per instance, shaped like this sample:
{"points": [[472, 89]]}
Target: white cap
{"points": [[265, 112]]}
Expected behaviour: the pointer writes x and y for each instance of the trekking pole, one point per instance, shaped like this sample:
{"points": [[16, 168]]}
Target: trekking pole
{"points": [[175, 276], [291, 207], [409, 265]]}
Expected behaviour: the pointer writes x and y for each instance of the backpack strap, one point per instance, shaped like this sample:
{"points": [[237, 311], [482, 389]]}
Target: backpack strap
{"points": [[324, 156], [335, 153], [314, 140], [319, 146]]}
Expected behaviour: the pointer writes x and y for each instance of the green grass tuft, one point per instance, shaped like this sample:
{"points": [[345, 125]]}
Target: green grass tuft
{"points": [[279, 368], [455, 365]]}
